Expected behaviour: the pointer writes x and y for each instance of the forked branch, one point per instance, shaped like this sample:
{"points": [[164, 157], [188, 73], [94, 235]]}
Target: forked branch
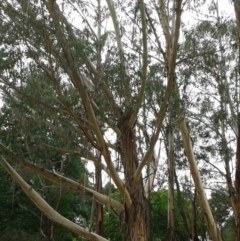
{"points": [[171, 78]]}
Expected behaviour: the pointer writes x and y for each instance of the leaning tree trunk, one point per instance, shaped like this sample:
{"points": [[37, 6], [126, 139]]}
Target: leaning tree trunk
{"points": [[208, 216], [134, 219]]}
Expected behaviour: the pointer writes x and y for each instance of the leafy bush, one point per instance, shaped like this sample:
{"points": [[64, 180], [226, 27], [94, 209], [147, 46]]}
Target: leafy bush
{"points": [[19, 235]]}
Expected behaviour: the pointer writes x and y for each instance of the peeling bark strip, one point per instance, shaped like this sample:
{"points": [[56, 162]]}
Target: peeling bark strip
{"points": [[48, 210]]}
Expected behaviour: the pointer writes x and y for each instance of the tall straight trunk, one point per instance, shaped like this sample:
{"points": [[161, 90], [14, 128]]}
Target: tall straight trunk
{"points": [[134, 219], [170, 227]]}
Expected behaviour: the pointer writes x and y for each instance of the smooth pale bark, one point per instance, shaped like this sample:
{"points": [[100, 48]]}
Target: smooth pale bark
{"points": [[154, 138], [152, 172], [171, 66], [170, 61], [210, 222], [48, 210]]}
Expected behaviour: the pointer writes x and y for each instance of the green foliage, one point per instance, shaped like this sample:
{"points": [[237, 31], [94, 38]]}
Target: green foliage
{"points": [[229, 231], [16, 210], [220, 206], [112, 227], [221, 209], [20, 235], [158, 207]]}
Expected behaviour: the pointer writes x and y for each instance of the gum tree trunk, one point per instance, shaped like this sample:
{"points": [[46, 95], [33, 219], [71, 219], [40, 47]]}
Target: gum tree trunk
{"points": [[134, 219]]}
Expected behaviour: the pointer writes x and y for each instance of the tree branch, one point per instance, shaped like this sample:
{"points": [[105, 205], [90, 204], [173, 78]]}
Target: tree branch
{"points": [[64, 181], [171, 79], [144, 67], [47, 209], [164, 22], [120, 48]]}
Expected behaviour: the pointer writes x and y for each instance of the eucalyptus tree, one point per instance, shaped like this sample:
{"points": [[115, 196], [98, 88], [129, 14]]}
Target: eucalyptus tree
{"points": [[214, 43], [119, 61]]}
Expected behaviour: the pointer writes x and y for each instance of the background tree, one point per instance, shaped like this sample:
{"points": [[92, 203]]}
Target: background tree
{"points": [[18, 212]]}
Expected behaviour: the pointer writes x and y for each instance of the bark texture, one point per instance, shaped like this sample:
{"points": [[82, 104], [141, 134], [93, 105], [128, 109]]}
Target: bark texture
{"points": [[134, 219]]}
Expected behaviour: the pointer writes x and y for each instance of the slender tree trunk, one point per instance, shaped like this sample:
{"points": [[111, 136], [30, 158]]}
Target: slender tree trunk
{"points": [[134, 219], [99, 206], [170, 227]]}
